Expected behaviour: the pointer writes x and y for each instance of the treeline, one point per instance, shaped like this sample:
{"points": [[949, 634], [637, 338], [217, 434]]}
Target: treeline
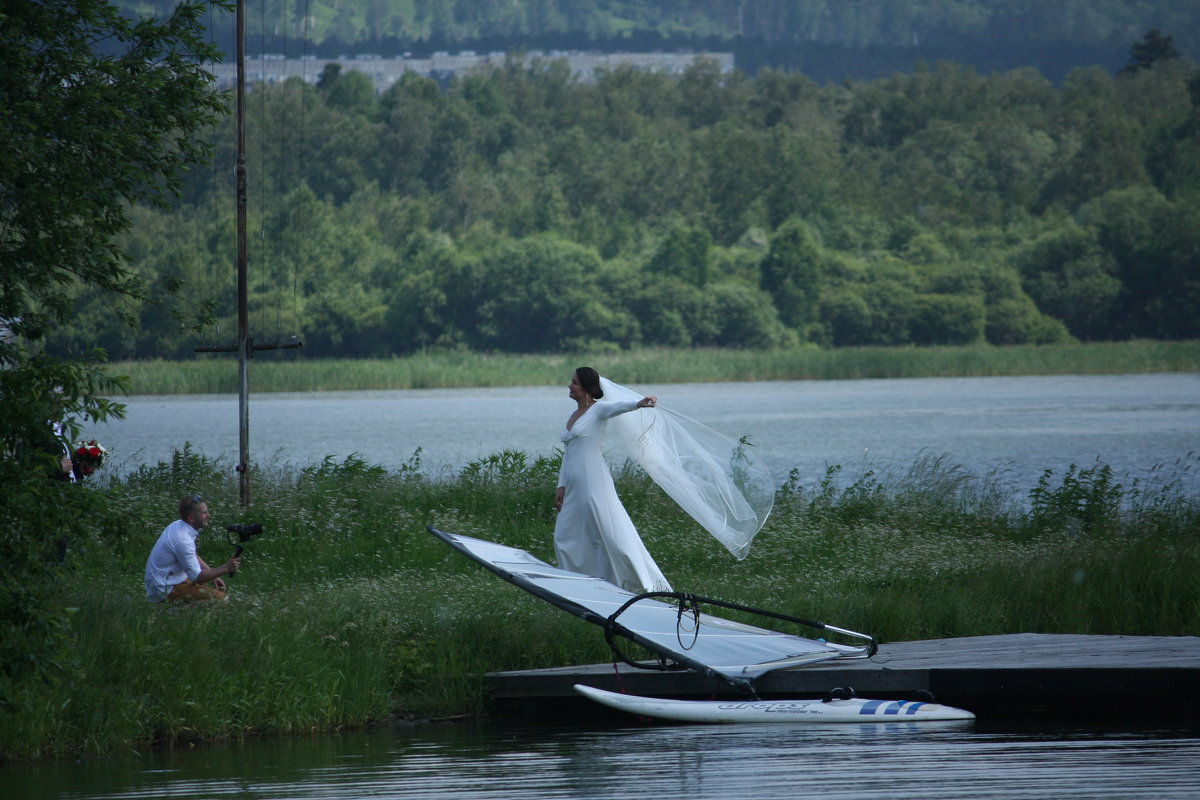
{"points": [[520, 210]]}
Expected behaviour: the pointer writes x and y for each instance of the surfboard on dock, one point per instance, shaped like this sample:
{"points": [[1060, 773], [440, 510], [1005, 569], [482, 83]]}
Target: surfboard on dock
{"points": [[849, 710]]}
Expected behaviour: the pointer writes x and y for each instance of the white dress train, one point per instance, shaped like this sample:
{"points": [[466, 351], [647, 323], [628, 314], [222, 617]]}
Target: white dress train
{"points": [[593, 534]]}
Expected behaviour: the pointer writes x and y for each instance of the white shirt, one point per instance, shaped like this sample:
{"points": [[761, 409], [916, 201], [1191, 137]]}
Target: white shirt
{"points": [[172, 561], [60, 432]]}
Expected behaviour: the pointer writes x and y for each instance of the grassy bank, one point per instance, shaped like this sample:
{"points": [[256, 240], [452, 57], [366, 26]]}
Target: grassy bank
{"points": [[348, 613], [293, 373]]}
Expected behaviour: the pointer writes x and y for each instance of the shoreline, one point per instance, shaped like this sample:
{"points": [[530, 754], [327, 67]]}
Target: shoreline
{"points": [[362, 618], [460, 369]]}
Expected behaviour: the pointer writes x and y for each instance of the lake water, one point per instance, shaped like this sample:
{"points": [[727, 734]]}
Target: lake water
{"points": [[895, 761], [1012, 427]]}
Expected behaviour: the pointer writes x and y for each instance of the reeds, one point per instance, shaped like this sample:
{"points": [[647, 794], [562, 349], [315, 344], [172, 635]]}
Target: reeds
{"points": [[460, 369], [348, 613]]}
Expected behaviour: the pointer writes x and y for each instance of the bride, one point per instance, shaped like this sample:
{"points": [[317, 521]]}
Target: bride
{"points": [[593, 534]]}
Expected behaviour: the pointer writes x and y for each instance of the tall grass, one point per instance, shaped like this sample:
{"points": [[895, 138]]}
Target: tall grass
{"points": [[348, 613], [454, 369]]}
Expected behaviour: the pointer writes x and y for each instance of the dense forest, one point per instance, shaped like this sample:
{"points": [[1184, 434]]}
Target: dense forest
{"points": [[521, 210]]}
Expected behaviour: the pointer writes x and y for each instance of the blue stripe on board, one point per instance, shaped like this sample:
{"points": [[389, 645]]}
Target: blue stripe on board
{"points": [[891, 707]]}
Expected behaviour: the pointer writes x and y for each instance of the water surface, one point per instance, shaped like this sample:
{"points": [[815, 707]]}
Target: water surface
{"points": [[1012, 427], [896, 761]]}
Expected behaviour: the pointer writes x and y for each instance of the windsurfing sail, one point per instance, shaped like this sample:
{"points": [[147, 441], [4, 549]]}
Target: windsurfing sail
{"points": [[713, 646]]}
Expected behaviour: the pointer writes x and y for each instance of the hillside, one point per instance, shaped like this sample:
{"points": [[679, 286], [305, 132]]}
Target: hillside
{"points": [[708, 209]]}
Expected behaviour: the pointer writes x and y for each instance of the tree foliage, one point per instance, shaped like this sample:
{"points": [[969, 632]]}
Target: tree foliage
{"points": [[97, 112], [520, 208], [1154, 47]]}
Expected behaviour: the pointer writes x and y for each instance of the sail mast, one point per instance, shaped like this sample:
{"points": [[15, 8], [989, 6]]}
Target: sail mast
{"points": [[245, 346], [244, 343]]}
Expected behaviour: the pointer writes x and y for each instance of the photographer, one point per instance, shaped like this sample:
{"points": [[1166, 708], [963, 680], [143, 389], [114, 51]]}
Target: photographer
{"points": [[174, 571]]}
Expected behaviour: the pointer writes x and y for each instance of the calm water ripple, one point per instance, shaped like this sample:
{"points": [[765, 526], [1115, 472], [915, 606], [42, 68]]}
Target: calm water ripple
{"points": [[737, 762]]}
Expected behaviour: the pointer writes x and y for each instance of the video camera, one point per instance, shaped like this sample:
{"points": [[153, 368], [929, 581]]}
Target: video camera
{"points": [[244, 534]]}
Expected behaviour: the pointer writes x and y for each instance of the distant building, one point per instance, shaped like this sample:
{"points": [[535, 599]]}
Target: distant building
{"points": [[273, 68]]}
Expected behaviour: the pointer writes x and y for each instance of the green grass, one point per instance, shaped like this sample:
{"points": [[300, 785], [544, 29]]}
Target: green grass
{"points": [[454, 369], [348, 613]]}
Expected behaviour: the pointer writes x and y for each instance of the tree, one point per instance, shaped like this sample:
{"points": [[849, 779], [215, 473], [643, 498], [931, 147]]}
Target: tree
{"points": [[948, 319], [353, 92], [891, 304], [670, 311], [791, 273], [685, 253], [1102, 145], [1017, 320], [97, 112], [1174, 156], [541, 298], [703, 93], [739, 170], [847, 318], [747, 319], [1156, 247], [1153, 47], [329, 75], [1072, 278]]}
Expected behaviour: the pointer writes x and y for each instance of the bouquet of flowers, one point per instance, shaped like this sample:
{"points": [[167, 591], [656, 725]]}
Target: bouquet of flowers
{"points": [[88, 457]]}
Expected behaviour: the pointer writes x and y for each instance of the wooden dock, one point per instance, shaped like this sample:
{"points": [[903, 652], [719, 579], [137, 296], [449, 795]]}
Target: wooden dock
{"points": [[1158, 676]]}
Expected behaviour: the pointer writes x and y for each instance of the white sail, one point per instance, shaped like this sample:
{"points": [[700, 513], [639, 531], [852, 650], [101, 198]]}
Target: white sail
{"points": [[737, 652]]}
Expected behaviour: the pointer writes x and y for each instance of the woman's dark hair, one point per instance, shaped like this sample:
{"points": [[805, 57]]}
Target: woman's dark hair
{"points": [[589, 379]]}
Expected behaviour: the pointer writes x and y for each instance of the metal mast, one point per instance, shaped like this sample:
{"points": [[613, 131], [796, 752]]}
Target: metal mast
{"points": [[245, 346]]}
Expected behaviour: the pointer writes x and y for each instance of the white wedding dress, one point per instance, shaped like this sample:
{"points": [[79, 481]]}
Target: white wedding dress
{"points": [[593, 534]]}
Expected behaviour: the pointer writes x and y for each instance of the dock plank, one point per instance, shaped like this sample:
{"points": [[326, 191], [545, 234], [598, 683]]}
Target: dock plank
{"points": [[982, 673]]}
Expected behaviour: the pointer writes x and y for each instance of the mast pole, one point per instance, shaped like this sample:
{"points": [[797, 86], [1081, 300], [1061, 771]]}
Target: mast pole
{"points": [[245, 346]]}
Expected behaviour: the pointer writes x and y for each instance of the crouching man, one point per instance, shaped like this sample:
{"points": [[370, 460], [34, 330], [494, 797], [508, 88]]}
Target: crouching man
{"points": [[174, 571]]}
